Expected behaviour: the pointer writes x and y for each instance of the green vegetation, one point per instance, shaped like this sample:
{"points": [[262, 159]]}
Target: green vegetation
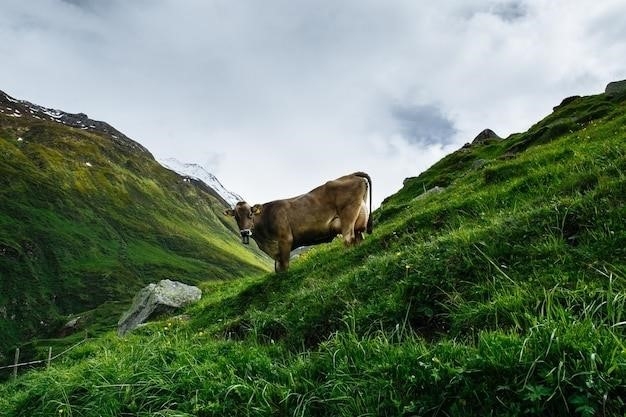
{"points": [[87, 220], [502, 294]]}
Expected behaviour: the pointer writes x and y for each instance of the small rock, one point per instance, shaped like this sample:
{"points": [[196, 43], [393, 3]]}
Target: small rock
{"points": [[435, 190], [479, 163], [72, 323], [70, 327]]}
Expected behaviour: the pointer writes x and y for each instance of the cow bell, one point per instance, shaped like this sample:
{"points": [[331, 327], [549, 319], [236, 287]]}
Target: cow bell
{"points": [[245, 236]]}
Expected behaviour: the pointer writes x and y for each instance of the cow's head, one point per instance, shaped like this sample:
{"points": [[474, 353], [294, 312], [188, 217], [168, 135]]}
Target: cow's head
{"points": [[244, 215]]}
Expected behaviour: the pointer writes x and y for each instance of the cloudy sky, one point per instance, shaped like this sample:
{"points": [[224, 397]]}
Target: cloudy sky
{"points": [[277, 96]]}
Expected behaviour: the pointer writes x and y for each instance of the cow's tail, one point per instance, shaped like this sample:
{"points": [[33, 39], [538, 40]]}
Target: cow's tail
{"points": [[369, 181]]}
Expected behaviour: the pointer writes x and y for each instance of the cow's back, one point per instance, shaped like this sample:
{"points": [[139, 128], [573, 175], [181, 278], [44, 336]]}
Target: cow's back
{"points": [[314, 217]]}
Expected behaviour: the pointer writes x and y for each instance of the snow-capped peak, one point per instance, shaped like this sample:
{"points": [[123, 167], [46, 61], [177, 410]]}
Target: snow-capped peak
{"points": [[198, 172]]}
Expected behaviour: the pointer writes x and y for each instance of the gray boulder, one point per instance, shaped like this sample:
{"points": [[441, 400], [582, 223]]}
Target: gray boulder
{"points": [[156, 299], [615, 87], [485, 136]]}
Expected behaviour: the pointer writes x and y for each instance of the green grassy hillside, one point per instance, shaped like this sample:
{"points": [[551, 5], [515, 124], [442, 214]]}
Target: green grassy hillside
{"points": [[88, 219], [503, 293]]}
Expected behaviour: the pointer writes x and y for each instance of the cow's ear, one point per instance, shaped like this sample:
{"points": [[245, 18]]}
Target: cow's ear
{"points": [[256, 209], [229, 212]]}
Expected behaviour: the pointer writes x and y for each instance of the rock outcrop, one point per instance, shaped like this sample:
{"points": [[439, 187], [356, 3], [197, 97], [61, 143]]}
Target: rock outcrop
{"points": [[484, 136], [615, 88], [155, 299], [565, 102]]}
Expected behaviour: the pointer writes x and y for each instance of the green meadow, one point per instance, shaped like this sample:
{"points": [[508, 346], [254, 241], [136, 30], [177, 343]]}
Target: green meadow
{"points": [[502, 292]]}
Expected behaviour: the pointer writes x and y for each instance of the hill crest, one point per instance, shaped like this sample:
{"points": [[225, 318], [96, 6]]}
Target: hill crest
{"points": [[21, 108]]}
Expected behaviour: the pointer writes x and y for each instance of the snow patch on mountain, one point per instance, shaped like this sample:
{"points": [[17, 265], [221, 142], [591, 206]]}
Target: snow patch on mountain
{"points": [[198, 172]]}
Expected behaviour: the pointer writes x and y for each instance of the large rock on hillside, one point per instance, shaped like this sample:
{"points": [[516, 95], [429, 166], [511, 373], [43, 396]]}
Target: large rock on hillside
{"points": [[156, 299], [615, 87], [484, 136]]}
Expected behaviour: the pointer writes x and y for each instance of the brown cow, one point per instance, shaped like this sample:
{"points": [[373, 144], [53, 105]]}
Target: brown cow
{"points": [[337, 207]]}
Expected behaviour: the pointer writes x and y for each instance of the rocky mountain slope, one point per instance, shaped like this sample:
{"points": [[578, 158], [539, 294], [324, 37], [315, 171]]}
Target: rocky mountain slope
{"points": [[87, 216]]}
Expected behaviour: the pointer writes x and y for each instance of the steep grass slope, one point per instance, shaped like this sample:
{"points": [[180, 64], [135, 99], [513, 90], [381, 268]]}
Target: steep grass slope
{"points": [[502, 293], [87, 218]]}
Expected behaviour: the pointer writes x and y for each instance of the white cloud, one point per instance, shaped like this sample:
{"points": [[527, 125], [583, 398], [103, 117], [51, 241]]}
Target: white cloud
{"points": [[279, 96]]}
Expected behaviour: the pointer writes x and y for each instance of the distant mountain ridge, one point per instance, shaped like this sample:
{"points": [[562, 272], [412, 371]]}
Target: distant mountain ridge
{"points": [[195, 173], [198, 173], [20, 108]]}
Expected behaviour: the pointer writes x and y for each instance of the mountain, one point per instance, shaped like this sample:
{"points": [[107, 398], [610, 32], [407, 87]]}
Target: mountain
{"points": [[195, 172], [11, 107], [494, 283], [87, 217]]}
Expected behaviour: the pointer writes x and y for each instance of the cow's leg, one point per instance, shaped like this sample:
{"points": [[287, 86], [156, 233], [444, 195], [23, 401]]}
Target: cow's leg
{"points": [[360, 225], [282, 261], [348, 218]]}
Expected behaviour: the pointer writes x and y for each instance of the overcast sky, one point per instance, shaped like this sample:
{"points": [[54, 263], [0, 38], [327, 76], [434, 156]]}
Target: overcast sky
{"points": [[277, 96]]}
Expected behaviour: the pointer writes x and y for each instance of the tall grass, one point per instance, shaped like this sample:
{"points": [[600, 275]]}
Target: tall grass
{"points": [[556, 367]]}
